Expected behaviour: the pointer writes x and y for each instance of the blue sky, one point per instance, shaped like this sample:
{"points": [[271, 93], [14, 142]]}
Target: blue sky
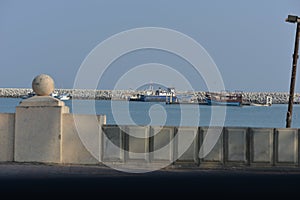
{"points": [[249, 41]]}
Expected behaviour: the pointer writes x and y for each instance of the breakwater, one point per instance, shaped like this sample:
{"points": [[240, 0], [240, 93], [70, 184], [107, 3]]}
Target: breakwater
{"points": [[260, 97]]}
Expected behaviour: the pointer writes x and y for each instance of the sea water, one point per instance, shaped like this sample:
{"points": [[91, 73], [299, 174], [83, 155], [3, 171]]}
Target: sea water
{"points": [[159, 113]]}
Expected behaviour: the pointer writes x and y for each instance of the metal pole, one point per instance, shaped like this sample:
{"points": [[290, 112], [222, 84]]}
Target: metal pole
{"points": [[293, 79]]}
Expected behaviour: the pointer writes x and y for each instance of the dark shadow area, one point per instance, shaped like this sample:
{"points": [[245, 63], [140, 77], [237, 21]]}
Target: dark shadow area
{"points": [[104, 183]]}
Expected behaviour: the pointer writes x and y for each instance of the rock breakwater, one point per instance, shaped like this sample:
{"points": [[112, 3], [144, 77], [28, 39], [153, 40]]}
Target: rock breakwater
{"points": [[278, 97]]}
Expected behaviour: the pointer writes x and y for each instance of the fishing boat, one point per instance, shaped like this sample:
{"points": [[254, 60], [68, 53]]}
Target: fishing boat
{"points": [[224, 98], [159, 95], [268, 102]]}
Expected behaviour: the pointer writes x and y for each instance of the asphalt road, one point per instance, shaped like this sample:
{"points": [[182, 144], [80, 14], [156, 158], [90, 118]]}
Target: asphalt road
{"points": [[38, 181]]}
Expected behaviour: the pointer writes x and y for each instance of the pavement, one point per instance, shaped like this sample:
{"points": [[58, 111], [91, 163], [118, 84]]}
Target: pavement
{"points": [[37, 180]]}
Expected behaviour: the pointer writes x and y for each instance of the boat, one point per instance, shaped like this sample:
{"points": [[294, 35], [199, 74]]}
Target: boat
{"points": [[159, 95], [297, 101], [54, 94], [135, 97], [187, 100], [224, 98], [268, 102], [64, 97], [29, 94]]}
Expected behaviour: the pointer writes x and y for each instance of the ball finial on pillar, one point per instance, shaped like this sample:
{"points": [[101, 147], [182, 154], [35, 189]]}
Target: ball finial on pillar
{"points": [[43, 85]]}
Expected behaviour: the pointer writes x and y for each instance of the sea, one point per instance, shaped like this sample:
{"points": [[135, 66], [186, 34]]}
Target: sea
{"points": [[162, 114]]}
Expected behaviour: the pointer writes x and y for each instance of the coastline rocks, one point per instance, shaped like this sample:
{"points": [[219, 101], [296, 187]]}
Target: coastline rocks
{"points": [[14, 92]]}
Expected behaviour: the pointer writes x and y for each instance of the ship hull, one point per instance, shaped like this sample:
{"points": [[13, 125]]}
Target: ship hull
{"points": [[159, 99], [153, 98], [223, 103]]}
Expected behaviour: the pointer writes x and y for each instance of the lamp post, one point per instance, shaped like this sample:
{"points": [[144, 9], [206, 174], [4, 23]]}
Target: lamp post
{"points": [[293, 19]]}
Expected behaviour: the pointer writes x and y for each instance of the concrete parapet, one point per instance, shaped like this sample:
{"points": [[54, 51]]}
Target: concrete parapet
{"points": [[186, 146], [72, 147], [215, 157], [161, 144], [236, 146], [7, 126], [286, 147], [261, 146], [137, 144], [112, 144]]}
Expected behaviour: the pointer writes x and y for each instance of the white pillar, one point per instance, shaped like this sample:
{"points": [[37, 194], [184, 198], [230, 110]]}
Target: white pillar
{"points": [[38, 124], [38, 130]]}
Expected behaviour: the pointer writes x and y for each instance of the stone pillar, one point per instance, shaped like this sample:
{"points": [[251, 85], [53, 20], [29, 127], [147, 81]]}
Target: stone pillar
{"points": [[38, 125]]}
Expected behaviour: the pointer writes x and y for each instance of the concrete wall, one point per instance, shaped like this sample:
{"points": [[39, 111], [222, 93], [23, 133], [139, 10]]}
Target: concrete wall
{"points": [[37, 135], [112, 144], [236, 146], [186, 146], [286, 147], [30, 135], [7, 126], [261, 146], [72, 149], [215, 157]]}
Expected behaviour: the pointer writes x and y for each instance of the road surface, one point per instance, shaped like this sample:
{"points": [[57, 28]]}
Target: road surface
{"points": [[38, 181]]}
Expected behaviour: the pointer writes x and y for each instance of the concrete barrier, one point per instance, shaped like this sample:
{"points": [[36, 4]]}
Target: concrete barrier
{"points": [[261, 146], [112, 144], [186, 147], [137, 143], [72, 148], [161, 144], [7, 126], [286, 147], [236, 146], [215, 157]]}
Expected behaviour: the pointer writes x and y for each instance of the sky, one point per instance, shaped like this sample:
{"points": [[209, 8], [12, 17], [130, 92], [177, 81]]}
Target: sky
{"points": [[249, 41]]}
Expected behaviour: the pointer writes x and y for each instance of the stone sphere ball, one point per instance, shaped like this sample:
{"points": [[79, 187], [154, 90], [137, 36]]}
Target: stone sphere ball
{"points": [[43, 85]]}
